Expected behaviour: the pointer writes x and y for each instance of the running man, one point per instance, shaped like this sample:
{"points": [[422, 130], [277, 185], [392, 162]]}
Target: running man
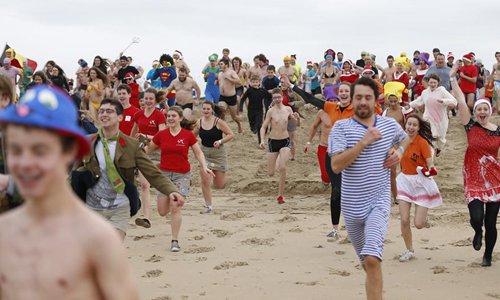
{"points": [[279, 145], [364, 148], [228, 79], [53, 247], [184, 86]]}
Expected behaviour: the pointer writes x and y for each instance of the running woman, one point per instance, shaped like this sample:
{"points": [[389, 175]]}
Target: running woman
{"points": [[148, 123], [174, 143], [334, 112], [482, 188], [415, 184], [214, 134]]}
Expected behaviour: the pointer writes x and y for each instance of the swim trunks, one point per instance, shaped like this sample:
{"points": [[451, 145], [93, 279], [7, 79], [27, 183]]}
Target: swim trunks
{"points": [[276, 145], [239, 91], [188, 105], [230, 100]]}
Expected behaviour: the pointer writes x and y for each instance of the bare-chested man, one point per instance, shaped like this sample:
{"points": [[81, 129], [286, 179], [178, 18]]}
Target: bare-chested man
{"points": [[184, 86], [242, 74], [288, 70], [52, 246], [495, 74], [228, 79], [259, 68], [279, 141], [387, 72]]}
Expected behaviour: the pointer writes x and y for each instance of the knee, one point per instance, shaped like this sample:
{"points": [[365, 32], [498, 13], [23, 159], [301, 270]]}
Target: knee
{"points": [[145, 186], [405, 221], [163, 212], [371, 262], [419, 224], [219, 185], [175, 211]]}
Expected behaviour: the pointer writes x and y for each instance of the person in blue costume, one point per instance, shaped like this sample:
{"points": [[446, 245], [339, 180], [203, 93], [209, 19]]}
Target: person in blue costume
{"points": [[167, 73], [210, 74], [154, 83]]}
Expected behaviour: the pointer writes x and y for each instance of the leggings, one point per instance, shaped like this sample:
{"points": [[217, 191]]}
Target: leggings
{"points": [[478, 216], [336, 181]]}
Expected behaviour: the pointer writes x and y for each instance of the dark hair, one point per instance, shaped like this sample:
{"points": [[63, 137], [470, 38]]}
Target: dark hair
{"points": [[237, 59], [340, 53], [434, 76], [440, 54], [254, 77], [100, 75], [262, 58], [224, 61], [226, 50], [124, 87], [366, 82], [6, 88], [185, 123], [103, 66], [166, 57], [416, 52], [496, 53], [390, 56], [123, 57], [219, 112], [436, 50], [271, 68], [42, 75], [424, 129], [61, 71], [182, 69], [50, 62], [118, 106], [159, 95]]}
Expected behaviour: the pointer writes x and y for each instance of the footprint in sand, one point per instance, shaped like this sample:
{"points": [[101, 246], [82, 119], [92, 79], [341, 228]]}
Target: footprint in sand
{"points": [[162, 298], [144, 237], [430, 248], [154, 258], [258, 242], [340, 252], [220, 233], [288, 219], [200, 259], [493, 295], [309, 283], [474, 265], [462, 243], [153, 273], [296, 230], [230, 264], [198, 237], [338, 272], [235, 216], [439, 270], [199, 250], [345, 241]]}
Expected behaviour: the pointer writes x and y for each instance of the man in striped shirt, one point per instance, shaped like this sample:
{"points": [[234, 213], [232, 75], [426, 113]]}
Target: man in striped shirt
{"points": [[364, 148]]}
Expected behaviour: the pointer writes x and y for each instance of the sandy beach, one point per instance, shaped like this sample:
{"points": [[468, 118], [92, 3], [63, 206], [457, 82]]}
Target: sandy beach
{"points": [[253, 248]]}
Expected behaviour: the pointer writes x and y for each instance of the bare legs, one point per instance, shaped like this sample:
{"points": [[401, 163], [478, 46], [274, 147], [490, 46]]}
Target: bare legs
{"points": [[165, 206], [276, 161]]}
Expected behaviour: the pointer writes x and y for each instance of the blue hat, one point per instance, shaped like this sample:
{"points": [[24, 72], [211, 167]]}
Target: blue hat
{"points": [[50, 108]]}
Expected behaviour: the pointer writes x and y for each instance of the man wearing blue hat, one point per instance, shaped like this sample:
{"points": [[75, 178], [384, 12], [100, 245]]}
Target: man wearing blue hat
{"points": [[48, 245]]}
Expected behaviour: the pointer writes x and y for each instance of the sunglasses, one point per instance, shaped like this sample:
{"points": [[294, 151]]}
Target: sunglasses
{"points": [[107, 110]]}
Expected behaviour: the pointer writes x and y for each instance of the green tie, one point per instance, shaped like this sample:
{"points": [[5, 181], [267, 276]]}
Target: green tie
{"points": [[114, 177]]}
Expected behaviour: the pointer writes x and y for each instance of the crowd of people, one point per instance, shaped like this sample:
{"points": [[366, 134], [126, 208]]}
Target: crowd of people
{"points": [[378, 127]]}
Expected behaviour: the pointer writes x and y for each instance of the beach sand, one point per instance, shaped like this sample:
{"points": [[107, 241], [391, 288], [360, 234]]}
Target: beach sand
{"points": [[253, 248]]}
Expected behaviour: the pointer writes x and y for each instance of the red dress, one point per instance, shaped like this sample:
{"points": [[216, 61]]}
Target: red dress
{"points": [[405, 79], [481, 164], [419, 87]]}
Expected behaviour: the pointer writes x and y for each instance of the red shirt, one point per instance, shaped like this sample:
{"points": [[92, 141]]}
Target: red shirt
{"points": [[134, 94], [174, 150], [149, 125], [405, 79], [127, 122], [467, 86]]}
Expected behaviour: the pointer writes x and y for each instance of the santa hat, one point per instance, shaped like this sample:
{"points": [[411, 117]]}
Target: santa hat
{"points": [[468, 57], [178, 52], [482, 101], [450, 55], [367, 69], [309, 63], [129, 75]]}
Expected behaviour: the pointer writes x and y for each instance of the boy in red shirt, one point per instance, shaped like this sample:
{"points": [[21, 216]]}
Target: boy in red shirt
{"points": [[129, 111], [468, 78]]}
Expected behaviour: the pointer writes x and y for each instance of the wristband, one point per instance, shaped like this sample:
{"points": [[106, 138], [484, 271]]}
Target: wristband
{"points": [[308, 143]]}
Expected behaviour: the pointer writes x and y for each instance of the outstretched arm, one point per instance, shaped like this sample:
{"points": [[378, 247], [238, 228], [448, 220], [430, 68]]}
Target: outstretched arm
{"points": [[463, 109], [308, 98]]}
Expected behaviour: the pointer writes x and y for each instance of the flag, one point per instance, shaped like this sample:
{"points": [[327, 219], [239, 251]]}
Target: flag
{"points": [[17, 59]]}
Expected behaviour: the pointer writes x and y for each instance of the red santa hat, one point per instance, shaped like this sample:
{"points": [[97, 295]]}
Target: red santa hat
{"points": [[450, 55], [468, 57], [367, 69], [309, 63], [129, 75], [178, 52]]}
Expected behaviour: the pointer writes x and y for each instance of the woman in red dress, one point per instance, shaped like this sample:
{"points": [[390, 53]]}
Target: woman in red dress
{"points": [[481, 169], [419, 73]]}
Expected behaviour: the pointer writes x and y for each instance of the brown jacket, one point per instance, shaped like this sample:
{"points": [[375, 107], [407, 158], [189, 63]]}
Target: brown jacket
{"points": [[129, 157]]}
